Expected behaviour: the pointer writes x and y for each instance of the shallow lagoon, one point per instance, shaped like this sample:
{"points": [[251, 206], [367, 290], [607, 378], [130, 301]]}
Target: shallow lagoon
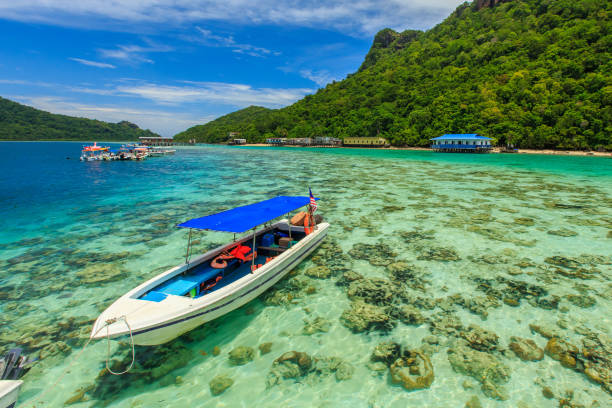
{"points": [[480, 237]]}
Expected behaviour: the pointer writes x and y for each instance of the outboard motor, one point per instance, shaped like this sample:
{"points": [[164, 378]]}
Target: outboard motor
{"points": [[13, 365]]}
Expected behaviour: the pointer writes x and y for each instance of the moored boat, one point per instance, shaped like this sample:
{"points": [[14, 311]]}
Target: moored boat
{"points": [[93, 152], [220, 280], [9, 391]]}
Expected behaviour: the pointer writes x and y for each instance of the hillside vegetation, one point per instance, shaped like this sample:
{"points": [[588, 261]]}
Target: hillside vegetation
{"points": [[20, 122], [536, 73]]}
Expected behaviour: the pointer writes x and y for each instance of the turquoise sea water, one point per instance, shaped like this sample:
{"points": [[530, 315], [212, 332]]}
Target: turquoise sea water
{"points": [[497, 241]]}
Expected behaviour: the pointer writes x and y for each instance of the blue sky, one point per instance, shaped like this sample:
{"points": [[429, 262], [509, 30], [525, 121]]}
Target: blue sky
{"points": [[167, 65]]}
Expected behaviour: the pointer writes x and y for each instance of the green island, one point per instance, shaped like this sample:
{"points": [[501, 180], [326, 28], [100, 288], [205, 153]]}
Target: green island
{"points": [[19, 122], [532, 73]]}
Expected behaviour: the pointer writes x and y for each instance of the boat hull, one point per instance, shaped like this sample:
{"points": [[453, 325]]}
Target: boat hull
{"points": [[168, 329], [9, 391]]}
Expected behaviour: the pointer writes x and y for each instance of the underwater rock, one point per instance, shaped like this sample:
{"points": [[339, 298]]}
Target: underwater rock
{"points": [[386, 352], [374, 290], [582, 301], [525, 263], [330, 255], [424, 303], [401, 271], [568, 263], [563, 232], [481, 366], [413, 371], [344, 371], [364, 317], [473, 402], [327, 365], [417, 235], [57, 347], [79, 395], [151, 363], [348, 277], [379, 254], [478, 304], [512, 302], [548, 303], [526, 221], [579, 273], [439, 254], [411, 315], [479, 338], [448, 325], [544, 331], [547, 393], [377, 367], [287, 291], [241, 355], [100, 273], [219, 384], [265, 348], [317, 325], [319, 272], [292, 364], [594, 259], [514, 270], [526, 349], [562, 351]]}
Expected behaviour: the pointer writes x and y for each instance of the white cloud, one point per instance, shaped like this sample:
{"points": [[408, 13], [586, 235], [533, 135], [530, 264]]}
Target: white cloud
{"points": [[217, 97], [133, 53], [92, 63], [321, 77], [238, 95], [208, 38], [353, 16], [165, 123]]}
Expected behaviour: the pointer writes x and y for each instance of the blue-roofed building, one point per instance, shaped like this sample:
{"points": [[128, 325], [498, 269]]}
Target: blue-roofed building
{"points": [[467, 142]]}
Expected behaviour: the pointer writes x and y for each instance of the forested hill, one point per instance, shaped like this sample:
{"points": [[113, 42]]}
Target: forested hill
{"points": [[217, 130], [536, 73], [20, 122]]}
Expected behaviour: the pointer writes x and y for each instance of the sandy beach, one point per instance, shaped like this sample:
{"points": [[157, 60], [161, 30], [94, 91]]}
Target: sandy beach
{"points": [[494, 150]]}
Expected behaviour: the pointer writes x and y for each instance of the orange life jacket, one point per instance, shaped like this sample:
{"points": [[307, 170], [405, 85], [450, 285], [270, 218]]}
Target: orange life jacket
{"points": [[307, 226]]}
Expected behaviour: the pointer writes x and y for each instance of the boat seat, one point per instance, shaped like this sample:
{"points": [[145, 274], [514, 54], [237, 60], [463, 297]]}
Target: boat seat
{"points": [[179, 287], [273, 249], [154, 296]]}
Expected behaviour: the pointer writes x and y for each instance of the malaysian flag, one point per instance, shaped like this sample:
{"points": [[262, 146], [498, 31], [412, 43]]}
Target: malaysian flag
{"points": [[313, 202]]}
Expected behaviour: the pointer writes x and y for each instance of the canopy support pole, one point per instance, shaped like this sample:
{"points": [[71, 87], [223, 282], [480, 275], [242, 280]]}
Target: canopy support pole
{"points": [[188, 245], [253, 260]]}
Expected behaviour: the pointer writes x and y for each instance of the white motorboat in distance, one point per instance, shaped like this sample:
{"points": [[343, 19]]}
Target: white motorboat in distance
{"points": [[220, 280]]}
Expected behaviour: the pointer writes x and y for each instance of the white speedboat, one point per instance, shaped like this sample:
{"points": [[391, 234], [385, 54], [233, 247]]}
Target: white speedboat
{"points": [[219, 281], [9, 391], [158, 151]]}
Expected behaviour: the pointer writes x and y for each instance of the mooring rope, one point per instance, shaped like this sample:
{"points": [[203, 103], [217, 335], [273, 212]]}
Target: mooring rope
{"points": [[108, 346], [78, 356]]}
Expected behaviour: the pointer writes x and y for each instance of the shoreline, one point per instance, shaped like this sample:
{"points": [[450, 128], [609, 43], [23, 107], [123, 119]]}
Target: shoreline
{"points": [[548, 152]]}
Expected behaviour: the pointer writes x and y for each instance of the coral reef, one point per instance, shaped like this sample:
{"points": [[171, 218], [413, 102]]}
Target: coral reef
{"points": [[290, 365], [374, 291], [364, 317], [483, 367], [413, 371], [379, 254], [526, 349]]}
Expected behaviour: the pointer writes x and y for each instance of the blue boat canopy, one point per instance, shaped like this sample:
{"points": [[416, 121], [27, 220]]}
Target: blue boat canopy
{"points": [[465, 136], [241, 219]]}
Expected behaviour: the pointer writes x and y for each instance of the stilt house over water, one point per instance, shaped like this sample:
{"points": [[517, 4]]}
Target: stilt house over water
{"points": [[465, 143]]}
